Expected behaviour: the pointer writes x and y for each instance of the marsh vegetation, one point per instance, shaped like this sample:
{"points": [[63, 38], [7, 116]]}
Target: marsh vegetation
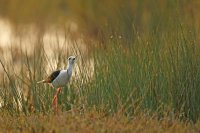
{"points": [[138, 61]]}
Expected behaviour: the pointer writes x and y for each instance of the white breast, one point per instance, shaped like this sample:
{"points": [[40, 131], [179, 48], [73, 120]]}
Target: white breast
{"points": [[62, 79]]}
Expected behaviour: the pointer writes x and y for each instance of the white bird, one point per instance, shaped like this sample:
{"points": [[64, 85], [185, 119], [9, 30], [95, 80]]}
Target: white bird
{"points": [[59, 79]]}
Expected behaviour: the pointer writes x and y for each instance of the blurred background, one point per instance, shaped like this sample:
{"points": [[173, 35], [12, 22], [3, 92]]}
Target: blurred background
{"points": [[55, 24], [93, 19]]}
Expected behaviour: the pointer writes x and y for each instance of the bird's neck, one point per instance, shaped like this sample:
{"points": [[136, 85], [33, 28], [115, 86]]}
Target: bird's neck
{"points": [[69, 69], [69, 66]]}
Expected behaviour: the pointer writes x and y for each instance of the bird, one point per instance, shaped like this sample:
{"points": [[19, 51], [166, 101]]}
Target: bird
{"points": [[60, 78]]}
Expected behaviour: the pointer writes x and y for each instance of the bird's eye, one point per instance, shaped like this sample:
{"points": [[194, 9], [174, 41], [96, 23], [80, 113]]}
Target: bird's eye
{"points": [[73, 58], [69, 59]]}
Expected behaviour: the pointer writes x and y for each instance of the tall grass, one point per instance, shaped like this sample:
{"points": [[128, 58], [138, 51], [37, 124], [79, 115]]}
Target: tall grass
{"points": [[157, 73]]}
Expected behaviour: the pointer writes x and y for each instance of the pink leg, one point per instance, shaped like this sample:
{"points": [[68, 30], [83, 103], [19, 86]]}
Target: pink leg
{"points": [[55, 100]]}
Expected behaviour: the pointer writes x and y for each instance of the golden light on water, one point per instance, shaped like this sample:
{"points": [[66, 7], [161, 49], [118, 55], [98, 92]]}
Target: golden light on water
{"points": [[23, 40], [5, 32]]}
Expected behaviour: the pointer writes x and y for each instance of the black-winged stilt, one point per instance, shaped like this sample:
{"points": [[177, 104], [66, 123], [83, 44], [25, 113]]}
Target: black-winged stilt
{"points": [[60, 78]]}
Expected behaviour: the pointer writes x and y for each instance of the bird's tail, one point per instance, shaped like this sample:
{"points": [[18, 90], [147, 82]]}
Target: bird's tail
{"points": [[42, 81]]}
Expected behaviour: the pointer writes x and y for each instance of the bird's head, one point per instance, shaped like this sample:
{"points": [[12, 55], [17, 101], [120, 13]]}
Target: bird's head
{"points": [[71, 59]]}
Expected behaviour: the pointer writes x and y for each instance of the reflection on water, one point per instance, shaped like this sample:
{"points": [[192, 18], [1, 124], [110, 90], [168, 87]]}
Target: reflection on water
{"points": [[21, 40], [5, 32]]}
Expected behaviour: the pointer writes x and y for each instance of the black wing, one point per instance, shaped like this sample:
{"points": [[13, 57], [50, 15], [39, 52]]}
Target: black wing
{"points": [[53, 76]]}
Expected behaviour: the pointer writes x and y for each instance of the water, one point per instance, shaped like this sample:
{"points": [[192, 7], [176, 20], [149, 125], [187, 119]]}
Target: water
{"points": [[18, 40]]}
